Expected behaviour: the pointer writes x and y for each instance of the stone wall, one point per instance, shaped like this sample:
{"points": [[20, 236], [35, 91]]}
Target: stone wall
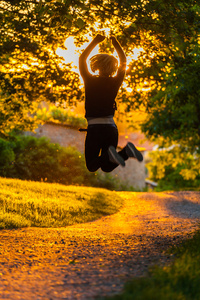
{"points": [[132, 175], [65, 136]]}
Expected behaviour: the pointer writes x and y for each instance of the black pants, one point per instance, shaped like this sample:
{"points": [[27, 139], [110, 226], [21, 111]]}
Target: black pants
{"points": [[98, 139]]}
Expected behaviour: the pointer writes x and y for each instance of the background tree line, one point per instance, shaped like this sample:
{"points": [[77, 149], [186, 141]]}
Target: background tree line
{"points": [[167, 70]]}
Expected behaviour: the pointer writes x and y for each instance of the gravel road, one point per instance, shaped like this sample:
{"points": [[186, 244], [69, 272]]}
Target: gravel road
{"points": [[86, 260]]}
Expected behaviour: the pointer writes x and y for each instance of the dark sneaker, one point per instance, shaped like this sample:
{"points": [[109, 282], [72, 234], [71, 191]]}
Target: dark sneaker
{"points": [[132, 151], [115, 157]]}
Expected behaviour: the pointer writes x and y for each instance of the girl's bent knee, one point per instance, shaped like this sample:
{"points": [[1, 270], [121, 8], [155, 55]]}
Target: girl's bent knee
{"points": [[91, 168], [107, 170]]}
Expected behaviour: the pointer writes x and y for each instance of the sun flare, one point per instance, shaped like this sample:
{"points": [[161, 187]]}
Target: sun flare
{"points": [[71, 54]]}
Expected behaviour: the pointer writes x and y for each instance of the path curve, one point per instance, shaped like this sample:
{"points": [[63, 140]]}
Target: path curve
{"points": [[96, 258]]}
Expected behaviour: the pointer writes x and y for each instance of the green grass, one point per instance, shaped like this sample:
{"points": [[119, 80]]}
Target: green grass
{"points": [[178, 281], [27, 203]]}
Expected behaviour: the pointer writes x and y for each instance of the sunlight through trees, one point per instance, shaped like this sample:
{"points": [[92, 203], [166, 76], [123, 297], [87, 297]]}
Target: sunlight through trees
{"points": [[162, 80]]}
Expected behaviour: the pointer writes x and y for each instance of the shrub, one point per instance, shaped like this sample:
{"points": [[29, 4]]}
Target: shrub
{"points": [[174, 169], [37, 159], [7, 157]]}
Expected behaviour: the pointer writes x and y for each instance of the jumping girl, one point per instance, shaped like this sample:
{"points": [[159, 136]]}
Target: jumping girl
{"points": [[100, 93]]}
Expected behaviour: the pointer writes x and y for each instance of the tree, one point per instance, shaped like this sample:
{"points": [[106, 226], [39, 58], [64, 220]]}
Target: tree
{"points": [[30, 70], [163, 81], [172, 30], [174, 168]]}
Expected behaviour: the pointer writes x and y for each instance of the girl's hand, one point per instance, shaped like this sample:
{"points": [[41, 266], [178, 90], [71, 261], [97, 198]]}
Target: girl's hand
{"points": [[99, 38]]}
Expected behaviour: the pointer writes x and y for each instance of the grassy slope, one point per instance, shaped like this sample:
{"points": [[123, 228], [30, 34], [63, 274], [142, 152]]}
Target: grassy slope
{"points": [[26, 203]]}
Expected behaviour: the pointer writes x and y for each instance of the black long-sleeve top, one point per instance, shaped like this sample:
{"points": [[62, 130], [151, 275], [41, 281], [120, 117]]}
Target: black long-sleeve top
{"points": [[100, 93]]}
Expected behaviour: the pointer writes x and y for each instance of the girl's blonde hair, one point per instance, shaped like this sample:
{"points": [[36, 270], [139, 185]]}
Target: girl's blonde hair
{"points": [[105, 63]]}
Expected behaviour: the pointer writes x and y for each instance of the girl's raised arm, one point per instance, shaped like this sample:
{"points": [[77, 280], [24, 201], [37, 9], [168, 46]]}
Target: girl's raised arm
{"points": [[121, 54]]}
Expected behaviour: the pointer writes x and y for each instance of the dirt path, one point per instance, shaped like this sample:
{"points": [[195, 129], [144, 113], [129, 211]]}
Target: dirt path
{"points": [[86, 260]]}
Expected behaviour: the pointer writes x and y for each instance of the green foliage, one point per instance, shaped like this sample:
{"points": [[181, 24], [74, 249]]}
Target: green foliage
{"points": [[30, 158], [25, 203], [180, 280], [174, 169], [173, 70], [6, 157], [30, 69], [176, 108], [61, 115], [38, 159], [164, 80]]}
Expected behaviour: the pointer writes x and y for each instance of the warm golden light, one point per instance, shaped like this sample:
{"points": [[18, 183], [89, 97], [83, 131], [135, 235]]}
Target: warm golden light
{"points": [[71, 53], [106, 32]]}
